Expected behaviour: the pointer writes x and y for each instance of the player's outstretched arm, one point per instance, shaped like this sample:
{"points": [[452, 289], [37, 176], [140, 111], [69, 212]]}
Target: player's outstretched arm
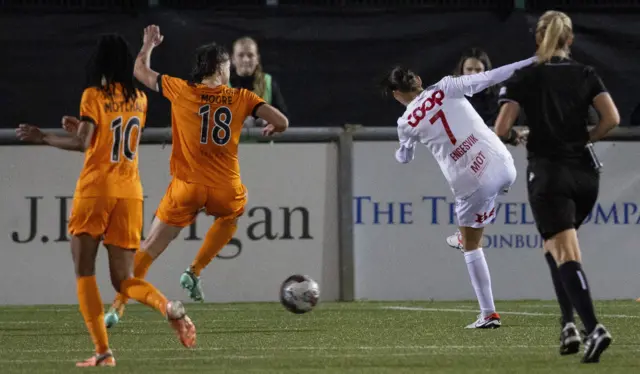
{"points": [[474, 83], [277, 122], [142, 68], [78, 141]]}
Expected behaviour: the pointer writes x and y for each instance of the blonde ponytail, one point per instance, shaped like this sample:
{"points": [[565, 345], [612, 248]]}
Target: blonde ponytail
{"points": [[259, 82], [553, 33]]}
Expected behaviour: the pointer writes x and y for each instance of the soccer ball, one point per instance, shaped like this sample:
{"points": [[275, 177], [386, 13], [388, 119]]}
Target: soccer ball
{"points": [[299, 294]]}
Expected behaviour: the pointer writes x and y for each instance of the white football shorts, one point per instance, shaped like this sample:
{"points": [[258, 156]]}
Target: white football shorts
{"points": [[478, 209]]}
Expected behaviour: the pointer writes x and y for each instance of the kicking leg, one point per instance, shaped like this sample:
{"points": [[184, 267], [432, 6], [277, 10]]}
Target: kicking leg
{"points": [[121, 269], [160, 236]]}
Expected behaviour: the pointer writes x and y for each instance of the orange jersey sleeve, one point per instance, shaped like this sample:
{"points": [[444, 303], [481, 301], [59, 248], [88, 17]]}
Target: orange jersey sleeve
{"points": [[252, 100], [206, 128], [111, 162], [89, 107], [171, 87]]}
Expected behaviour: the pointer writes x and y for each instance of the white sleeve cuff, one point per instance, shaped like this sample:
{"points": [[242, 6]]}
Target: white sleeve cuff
{"points": [[404, 154]]}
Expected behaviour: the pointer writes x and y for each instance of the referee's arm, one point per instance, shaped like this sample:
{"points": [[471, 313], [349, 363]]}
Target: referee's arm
{"points": [[604, 105], [510, 96], [508, 115]]}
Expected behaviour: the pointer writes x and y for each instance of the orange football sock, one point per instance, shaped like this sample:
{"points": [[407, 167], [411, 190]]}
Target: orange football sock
{"points": [[145, 293], [217, 237], [141, 264], [93, 311]]}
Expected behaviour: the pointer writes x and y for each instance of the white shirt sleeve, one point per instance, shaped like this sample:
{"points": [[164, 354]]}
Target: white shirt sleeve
{"points": [[405, 153], [474, 83]]}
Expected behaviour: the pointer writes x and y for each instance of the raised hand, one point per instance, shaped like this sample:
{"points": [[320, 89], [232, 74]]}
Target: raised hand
{"points": [[152, 36]]}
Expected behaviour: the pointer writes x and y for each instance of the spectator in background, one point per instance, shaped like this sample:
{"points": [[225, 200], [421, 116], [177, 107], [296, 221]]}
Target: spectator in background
{"points": [[247, 73], [476, 61]]}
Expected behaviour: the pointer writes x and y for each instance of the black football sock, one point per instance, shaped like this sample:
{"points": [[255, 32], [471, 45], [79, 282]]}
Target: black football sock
{"points": [[566, 308], [575, 283]]}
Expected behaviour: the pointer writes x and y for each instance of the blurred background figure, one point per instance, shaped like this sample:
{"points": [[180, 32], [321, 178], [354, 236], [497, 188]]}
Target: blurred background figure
{"points": [[474, 61], [247, 73]]}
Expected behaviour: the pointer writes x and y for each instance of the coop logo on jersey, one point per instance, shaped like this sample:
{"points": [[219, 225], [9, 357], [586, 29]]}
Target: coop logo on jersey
{"points": [[427, 104], [263, 223], [440, 210]]}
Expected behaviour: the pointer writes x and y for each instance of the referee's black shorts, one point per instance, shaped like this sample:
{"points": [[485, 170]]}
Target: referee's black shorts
{"points": [[561, 194]]}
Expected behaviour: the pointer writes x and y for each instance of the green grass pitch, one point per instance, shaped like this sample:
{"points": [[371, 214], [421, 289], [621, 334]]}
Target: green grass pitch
{"points": [[359, 337]]}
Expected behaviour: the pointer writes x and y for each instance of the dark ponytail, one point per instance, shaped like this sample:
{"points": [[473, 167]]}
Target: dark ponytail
{"points": [[400, 79], [209, 57], [112, 61]]}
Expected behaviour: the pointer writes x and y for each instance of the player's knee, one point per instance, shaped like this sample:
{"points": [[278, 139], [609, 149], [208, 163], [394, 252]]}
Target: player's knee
{"points": [[119, 273], [471, 245], [117, 279], [117, 284], [566, 254], [85, 269], [564, 246], [471, 238]]}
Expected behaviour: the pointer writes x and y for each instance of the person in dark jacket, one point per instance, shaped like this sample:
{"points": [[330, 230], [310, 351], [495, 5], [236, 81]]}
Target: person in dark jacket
{"points": [[475, 61], [247, 73]]}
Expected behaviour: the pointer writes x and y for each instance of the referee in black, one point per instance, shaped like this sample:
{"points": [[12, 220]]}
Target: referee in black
{"points": [[563, 171]]}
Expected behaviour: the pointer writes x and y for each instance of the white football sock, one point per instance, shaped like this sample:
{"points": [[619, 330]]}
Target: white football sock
{"points": [[481, 280]]}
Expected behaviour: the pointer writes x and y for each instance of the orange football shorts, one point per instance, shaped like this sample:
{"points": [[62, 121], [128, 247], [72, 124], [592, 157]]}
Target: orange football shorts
{"points": [[117, 221], [183, 200]]}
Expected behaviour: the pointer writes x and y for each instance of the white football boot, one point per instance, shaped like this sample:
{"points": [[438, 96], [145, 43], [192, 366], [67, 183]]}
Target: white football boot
{"points": [[489, 322], [455, 241]]}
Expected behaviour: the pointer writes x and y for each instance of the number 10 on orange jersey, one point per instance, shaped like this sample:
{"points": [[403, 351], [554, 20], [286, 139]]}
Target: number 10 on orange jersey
{"points": [[121, 147]]}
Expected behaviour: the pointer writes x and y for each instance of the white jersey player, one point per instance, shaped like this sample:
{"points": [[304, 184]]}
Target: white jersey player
{"points": [[472, 158]]}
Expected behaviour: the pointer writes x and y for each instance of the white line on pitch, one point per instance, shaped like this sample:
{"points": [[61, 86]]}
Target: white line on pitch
{"points": [[420, 309]]}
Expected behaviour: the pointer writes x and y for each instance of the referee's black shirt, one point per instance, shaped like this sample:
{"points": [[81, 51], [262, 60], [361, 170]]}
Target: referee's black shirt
{"points": [[555, 97]]}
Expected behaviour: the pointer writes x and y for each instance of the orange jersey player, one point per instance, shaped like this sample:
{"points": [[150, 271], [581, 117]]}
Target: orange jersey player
{"points": [[207, 118], [107, 203]]}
